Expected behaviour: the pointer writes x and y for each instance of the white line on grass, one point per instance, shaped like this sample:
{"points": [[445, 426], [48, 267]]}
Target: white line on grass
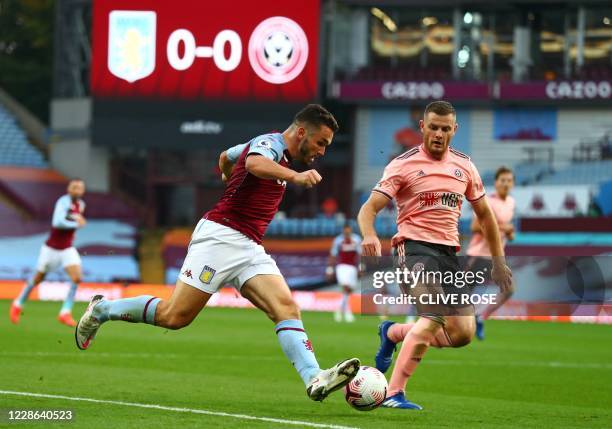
{"points": [[80, 354], [177, 409], [519, 363], [546, 364]]}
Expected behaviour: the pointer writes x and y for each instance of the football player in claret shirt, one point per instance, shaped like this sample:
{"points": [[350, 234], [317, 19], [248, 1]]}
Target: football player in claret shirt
{"points": [[59, 251], [226, 248], [344, 259], [429, 183]]}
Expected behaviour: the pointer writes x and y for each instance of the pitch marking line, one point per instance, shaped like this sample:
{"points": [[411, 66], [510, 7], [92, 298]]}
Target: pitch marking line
{"points": [[178, 410], [80, 355]]}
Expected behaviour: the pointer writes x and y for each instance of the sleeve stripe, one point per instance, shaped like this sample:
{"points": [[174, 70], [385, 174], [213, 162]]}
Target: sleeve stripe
{"points": [[384, 193], [461, 154], [475, 199], [408, 153]]}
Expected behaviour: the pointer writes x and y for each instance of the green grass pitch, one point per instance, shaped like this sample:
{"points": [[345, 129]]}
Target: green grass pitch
{"points": [[525, 375]]}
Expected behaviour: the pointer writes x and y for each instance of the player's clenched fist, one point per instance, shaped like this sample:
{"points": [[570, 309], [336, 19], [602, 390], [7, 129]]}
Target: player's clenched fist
{"points": [[370, 246], [307, 178]]}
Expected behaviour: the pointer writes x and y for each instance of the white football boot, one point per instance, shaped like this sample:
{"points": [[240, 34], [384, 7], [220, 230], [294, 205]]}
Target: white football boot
{"points": [[332, 379], [87, 327]]}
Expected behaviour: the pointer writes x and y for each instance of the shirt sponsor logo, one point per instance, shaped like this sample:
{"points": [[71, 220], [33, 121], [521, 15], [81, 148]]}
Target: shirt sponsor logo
{"points": [[434, 199]]}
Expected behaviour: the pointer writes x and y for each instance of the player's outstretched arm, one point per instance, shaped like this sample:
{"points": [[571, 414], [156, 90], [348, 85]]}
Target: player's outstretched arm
{"points": [[265, 168], [370, 245], [501, 274]]}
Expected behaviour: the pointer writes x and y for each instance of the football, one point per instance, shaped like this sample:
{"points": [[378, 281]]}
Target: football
{"points": [[367, 390]]}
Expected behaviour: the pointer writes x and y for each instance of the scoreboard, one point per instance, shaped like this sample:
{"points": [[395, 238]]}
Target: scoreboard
{"points": [[173, 60]]}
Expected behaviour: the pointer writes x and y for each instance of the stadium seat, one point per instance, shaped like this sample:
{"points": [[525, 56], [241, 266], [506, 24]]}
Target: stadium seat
{"points": [[15, 150], [107, 249], [583, 173]]}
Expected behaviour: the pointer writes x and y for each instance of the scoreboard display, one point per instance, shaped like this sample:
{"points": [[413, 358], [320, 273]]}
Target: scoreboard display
{"points": [[175, 56]]}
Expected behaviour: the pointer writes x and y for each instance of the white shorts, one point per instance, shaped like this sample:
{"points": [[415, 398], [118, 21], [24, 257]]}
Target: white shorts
{"points": [[50, 259], [346, 275], [218, 255]]}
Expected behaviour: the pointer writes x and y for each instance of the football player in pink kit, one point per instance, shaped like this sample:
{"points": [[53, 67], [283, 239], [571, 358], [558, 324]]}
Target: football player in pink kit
{"points": [[344, 257], [429, 182], [59, 251], [502, 204], [226, 248]]}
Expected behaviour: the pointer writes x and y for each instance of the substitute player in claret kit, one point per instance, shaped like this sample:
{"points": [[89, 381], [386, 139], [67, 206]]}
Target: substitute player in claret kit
{"points": [[226, 248], [58, 251], [429, 182], [344, 259]]}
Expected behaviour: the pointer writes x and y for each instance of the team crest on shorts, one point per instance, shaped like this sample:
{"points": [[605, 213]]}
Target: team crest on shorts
{"points": [[207, 274]]}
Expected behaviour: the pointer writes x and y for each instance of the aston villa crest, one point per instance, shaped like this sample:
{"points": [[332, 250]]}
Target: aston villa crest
{"points": [[131, 44]]}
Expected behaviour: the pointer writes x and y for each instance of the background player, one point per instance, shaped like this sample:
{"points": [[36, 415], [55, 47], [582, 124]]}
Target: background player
{"points": [[502, 204], [59, 251], [226, 248], [344, 258], [428, 183]]}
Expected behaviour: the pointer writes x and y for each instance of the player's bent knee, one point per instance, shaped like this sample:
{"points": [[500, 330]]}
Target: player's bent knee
{"points": [[39, 277], [462, 340], [462, 337], [287, 309], [174, 321], [171, 319]]}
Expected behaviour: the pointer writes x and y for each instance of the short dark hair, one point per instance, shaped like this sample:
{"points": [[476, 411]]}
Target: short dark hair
{"points": [[503, 170], [317, 115], [441, 108]]}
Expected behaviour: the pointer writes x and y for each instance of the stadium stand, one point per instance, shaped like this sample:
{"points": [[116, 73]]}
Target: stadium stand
{"points": [[107, 247], [583, 173], [15, 149], [408, 72], [36, 190], [318, 227], [524, 173]]}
